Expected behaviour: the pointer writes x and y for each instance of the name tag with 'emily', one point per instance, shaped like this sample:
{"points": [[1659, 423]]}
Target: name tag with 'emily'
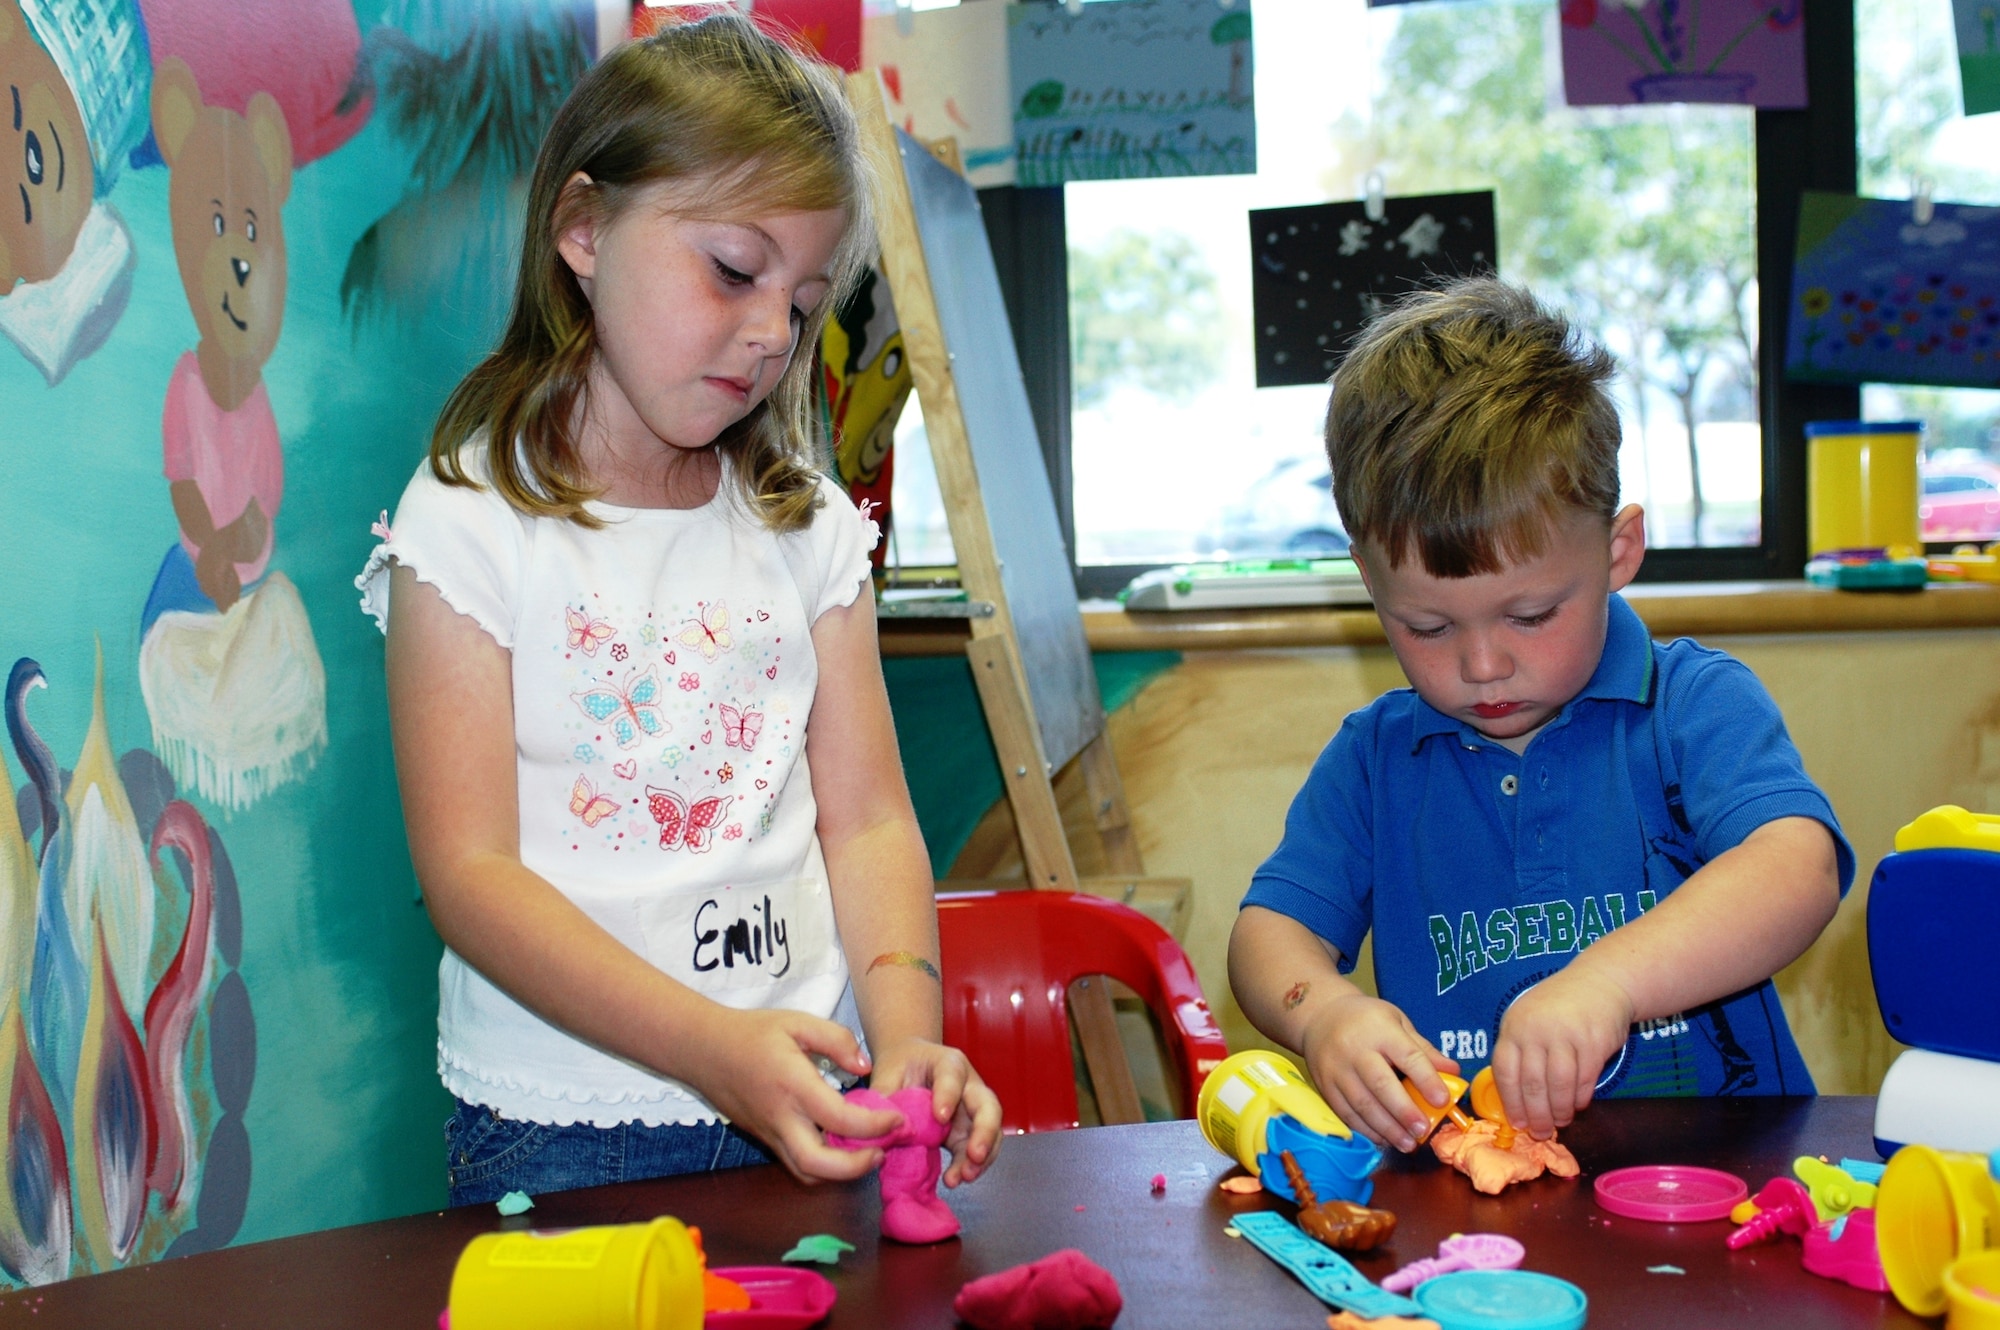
{"points": [[745, 940]]}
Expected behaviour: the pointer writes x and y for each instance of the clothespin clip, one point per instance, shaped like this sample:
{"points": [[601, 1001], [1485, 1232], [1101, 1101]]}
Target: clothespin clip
{"points": [[906, 17], [1922, 209], [1372, 196]]}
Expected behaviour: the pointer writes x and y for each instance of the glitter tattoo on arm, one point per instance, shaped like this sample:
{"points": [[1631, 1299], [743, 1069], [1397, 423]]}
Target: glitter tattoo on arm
{"points": [[1296, 994], [909, 958]]}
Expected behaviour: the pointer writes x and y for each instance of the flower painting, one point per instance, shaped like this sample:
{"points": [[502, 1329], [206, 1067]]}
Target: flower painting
{"points": [[1746, 52], [1878, 296]]}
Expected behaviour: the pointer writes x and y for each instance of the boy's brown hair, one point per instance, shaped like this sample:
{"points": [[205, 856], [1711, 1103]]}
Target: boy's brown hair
{"points": [[1463, 422]]}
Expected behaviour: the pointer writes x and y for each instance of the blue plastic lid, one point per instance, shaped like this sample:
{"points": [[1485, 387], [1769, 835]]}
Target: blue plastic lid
{"points": [[1815, 428], [1502, 1300]]}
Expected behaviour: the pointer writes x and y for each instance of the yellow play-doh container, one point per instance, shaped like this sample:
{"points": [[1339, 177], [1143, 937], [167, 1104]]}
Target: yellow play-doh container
{"points": [[616, 1277], [1932, 1207], [1972, 1292], [1246, 1090], [1861, 485]]}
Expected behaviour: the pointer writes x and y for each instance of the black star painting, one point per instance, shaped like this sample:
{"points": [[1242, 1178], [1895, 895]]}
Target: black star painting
{"points": [[1319, 273]]}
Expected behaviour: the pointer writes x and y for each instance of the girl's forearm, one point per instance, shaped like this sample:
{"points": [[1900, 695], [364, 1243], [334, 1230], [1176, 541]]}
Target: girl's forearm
{"points": [[885, 903], [1741, 918]]}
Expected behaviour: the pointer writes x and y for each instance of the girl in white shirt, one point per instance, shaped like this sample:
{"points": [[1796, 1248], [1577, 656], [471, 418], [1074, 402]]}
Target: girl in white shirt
{"points": [[674, 914]]}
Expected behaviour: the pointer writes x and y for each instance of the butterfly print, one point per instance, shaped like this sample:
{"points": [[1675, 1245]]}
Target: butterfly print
{"points": [[708, 631], [585, 633], [632, 711], [588, 804], [682, 823], [740, 728]]}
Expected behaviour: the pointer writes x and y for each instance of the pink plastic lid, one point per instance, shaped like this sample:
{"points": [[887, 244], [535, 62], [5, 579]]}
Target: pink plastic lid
{"points": [[782, 1297], [1670, 1193]]}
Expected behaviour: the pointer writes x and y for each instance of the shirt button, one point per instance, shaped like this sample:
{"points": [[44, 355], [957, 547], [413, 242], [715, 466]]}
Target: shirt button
{"points": [[1509, 784]]}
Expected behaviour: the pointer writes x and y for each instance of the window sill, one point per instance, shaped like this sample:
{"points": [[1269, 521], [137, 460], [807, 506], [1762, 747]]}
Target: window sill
{"points": [[1670, 609]]}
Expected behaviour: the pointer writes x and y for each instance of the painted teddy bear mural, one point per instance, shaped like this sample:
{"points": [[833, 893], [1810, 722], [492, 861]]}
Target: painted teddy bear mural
{"points": [[230, 671]]}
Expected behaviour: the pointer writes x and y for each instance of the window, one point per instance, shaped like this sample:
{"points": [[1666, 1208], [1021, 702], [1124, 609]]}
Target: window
{"points": [[1913, 134], [1652, 227]]}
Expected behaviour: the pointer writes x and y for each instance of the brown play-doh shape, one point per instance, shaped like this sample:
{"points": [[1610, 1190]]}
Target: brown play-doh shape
{"points": [[1342, 1225]]}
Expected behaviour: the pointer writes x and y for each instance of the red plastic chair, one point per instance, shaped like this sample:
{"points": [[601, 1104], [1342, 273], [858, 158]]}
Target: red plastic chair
{"points": [[1009, 959]]}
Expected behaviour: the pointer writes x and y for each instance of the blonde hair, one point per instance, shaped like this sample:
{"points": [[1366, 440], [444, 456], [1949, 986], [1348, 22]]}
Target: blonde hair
{"points": [[1464, 421], [747, 124]]}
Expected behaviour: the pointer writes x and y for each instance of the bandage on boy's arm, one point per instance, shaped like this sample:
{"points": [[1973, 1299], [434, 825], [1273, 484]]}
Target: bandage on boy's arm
{"points": [[451, 714], [1742, 917], [1287, 980]]}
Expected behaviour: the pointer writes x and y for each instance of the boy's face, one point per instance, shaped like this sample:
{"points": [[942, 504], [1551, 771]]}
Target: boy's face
{"points": [[1505, 651]]}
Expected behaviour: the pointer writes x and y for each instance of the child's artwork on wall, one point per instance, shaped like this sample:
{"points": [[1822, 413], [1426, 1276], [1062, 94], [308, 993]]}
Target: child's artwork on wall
{"points": [[1130, 88], [1320, 273], [1747, 52], [1977, 25], [946, 77], [1878, 296], [830, 27], [864, 382]]}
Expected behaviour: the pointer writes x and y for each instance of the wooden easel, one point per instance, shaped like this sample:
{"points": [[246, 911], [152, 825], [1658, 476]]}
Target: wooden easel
{"points": [[1029, 656]]}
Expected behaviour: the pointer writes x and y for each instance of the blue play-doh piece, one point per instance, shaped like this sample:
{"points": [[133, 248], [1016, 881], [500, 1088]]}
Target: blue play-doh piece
{"points": [[1337, 1169], [1502, 1300]]}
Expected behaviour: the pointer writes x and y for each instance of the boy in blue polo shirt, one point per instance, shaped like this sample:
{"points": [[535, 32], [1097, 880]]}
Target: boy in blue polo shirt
{"points": [[1582, 855]]}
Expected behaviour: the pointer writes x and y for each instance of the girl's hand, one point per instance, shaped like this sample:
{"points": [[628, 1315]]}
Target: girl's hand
{"points": [[761, 1076], [957, 1096], [1554, 1042], [1354, 1045]]}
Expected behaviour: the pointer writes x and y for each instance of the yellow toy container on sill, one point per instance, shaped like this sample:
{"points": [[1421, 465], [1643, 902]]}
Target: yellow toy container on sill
{"points": [[1861, 485]]}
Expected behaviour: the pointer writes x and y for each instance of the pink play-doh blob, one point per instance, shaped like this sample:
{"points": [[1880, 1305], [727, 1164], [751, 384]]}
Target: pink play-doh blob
{"points": [[912, 1211]]}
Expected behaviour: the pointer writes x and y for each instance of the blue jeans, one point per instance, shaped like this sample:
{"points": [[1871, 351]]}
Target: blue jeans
{"points": [[487, 1156]]}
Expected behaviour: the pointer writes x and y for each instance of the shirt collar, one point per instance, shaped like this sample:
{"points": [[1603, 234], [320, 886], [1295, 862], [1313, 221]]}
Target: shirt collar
{"points": [[1624, 674]]}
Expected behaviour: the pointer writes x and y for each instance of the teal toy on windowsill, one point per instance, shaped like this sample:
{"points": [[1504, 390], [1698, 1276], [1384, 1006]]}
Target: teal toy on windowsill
{"points": [[1247, 584], [1873, 569]]}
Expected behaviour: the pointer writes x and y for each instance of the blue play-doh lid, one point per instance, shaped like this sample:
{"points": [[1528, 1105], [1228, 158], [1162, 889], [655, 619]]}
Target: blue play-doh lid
{"points": [[1502, 1300]]}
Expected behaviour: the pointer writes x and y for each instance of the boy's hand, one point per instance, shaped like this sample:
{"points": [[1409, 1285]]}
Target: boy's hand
{"points": [[1554, 1042], [957, 1096], [763, 1079], [1354, 1045]]}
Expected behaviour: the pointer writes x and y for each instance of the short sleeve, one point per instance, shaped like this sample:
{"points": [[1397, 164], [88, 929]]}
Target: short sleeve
{"points": [[1322, 873], [468, 543], [1737, 765], [829, 559]]}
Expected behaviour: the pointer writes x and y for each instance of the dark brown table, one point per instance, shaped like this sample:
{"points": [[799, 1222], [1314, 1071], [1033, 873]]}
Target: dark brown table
{"points": [[1088, 1189]]}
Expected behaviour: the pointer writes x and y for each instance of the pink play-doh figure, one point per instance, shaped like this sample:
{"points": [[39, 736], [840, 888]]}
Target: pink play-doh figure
{"points": [[912, 1211], [1845, 1250]]}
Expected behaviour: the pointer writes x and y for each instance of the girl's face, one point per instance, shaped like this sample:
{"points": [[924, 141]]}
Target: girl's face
{"points": [[696, 320]]}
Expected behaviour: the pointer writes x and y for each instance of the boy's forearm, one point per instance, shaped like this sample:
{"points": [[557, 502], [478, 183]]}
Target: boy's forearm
{"points": [[1281, 973], [1740, 919]]}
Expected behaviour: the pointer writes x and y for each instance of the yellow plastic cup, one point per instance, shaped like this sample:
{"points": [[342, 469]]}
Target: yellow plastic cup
{"points": [[1246, 1090], [616, 1277], [1972, 1290], [1861, 484], [1932, 1207]]}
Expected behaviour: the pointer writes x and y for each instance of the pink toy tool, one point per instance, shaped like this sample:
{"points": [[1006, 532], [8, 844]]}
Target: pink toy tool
{"points": [[1845, 1250], [1461, 1251], [1783, 1206], [1671, 1193], [912, 1211]]}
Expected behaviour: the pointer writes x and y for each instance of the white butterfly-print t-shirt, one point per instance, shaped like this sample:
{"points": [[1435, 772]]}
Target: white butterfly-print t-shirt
{"points": [[663, 674]]}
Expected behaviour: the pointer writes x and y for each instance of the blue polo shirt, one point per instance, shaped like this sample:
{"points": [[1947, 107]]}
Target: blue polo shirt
{"points": [[1481, 871]]}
